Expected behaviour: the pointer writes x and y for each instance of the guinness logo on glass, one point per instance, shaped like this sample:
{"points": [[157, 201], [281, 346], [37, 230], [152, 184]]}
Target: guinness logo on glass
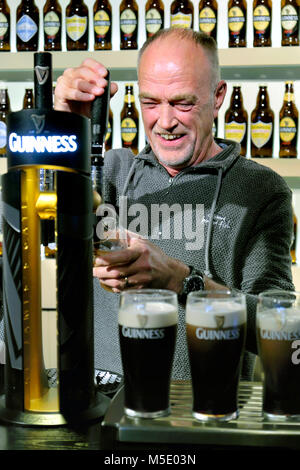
{"points": [[219, 319], [142, 319]]}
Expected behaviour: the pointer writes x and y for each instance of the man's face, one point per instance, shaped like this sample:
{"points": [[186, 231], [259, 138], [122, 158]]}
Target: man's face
{"points": [[176, 101]]}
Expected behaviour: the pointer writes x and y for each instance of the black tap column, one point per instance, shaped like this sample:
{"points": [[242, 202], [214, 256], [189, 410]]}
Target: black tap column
{"points": [[43, 141]]}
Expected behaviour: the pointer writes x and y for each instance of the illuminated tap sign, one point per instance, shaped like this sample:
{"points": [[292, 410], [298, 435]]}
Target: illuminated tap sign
{"points": [[42, 143], [48, 137]]}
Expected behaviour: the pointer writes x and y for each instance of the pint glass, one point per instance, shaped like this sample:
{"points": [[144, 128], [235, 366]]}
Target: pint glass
{"points": [[110, 237], [147, 332], [216, 330], [278, 339]]}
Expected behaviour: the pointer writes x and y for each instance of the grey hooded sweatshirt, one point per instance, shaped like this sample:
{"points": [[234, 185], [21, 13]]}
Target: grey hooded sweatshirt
{"points": [[229, 217]]}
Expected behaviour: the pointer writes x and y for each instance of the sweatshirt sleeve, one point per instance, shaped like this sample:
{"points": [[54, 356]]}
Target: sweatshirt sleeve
{"points": [[267, 259]]}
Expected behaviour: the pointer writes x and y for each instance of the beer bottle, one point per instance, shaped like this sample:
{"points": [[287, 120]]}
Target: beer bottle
{"points": [[129, 13], [102, 25], [288, 124], [28, 100], [262, 126], [262, 23], [154, 16], [4, 111], [236, 120], [27, 27], [4, 26], [77, 26], [208, 17], [110, 131], [52, 26], [294, 239], [182, 14], [237, 23], [290, 23], [129, 121], [215, 128]]}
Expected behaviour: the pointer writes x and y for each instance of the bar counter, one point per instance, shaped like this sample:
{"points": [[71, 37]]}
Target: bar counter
{"points": [[177, 433]]}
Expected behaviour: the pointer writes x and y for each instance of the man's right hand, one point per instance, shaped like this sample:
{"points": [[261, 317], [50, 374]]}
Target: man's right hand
{"points": [[77, 87]]}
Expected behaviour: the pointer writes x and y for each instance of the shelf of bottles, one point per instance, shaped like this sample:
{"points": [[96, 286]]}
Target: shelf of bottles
{"points": [[115, 30]]}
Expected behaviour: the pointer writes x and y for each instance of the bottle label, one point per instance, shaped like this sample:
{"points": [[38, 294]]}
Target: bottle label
{"points": [[128, 130], [129, 98], [153, 21], [108, 132], [181, 20], [261, 18], [51, 24], [236, 19], [2, 134], [101, 23], [76, 26], [128, 21], [289, 96], [207, 20], [261, 133], [287, 129], [289, 18], [26, 28], [3, 25], [235, 131]]}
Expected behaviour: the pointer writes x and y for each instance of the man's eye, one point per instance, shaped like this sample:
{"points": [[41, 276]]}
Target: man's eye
{"points": [[183, 106], [148, 103]]}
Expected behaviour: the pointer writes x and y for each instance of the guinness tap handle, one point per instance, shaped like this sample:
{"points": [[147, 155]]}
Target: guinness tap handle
{"points": [[99, 119], [43, 80]]}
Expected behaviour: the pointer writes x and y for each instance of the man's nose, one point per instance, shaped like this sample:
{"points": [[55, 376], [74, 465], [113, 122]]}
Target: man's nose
{"points": [[167, 119]]}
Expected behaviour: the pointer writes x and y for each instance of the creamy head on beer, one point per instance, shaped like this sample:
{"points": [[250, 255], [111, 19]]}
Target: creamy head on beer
{"points": [[281, 324], [217, 315], [148, 315]]}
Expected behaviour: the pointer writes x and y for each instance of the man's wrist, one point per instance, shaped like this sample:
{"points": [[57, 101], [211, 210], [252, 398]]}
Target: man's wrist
{"points": [[193, 282]]}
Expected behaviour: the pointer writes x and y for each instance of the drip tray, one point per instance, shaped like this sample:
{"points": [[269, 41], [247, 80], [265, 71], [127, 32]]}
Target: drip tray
{"points": [[250, 429]]}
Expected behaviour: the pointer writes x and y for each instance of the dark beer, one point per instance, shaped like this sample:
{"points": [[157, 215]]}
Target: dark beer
{"points": [[27, 27], [262, 23], [129, 24], [52, 26], [290, 23], [4, 26], [208, 17], [262, 126], [276, 334], [154, 16], [4, 111], [28, 100], [237, 23], [236, 120], [102, 25], [182, 14], [77, 26], [215, 353], [288, 124], [130, 121], [147, 342]]}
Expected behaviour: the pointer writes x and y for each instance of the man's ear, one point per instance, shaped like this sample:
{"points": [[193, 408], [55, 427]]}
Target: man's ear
{"points": [[219, 97]]}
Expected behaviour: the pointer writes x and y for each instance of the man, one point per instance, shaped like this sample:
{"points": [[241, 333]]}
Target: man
{"points": [[229, 220]]}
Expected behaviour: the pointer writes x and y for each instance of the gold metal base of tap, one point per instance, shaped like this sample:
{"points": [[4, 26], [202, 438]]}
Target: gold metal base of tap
{"points": [[29, 418]]}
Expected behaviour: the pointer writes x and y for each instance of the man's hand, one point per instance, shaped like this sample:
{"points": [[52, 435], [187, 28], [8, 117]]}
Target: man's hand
{"points": [[77, 87], [143, 264]]}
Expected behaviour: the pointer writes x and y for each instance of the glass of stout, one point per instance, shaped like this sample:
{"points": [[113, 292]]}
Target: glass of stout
{"points": [[110, 236], [147, 332], [278, 340], [216, 331]]}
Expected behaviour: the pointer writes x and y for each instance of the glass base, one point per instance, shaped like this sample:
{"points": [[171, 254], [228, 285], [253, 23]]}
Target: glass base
{"points": [[146, 414], [280, 417], [214, 418]]}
